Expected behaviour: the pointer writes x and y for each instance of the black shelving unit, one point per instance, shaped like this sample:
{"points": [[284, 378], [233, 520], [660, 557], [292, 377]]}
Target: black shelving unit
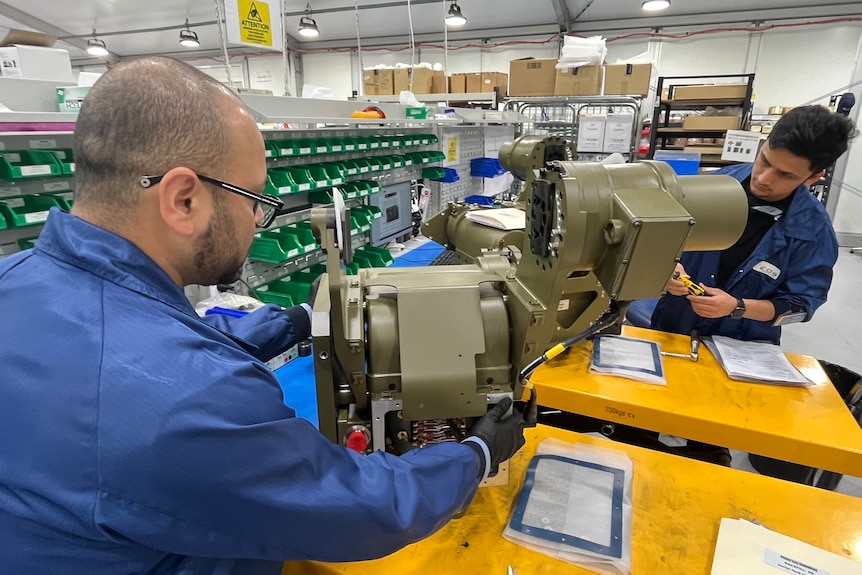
{"points": [[662, 130]]}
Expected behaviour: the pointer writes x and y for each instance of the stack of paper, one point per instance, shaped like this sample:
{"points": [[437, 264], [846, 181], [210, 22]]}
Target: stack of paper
{"points": [[754, 361], [744, 547], [628, 357], [500, 218]]}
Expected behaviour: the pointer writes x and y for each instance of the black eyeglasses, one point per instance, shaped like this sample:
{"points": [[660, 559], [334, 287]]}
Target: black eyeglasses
{"points": [[269, 205]]}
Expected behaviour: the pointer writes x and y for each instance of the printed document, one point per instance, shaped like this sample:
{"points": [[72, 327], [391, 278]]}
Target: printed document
{"points": [[746, 548], [500, 218], [758, 362]]}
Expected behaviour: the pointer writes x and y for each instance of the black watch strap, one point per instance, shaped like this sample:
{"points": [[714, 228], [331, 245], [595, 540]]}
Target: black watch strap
{"points": [[739, 312]]}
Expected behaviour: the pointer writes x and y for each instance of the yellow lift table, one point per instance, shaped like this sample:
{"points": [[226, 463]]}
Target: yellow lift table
{"points": [[807, 425], [677, 506]]}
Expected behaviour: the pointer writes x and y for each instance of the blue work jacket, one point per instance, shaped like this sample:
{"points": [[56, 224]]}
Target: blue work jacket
{"points": [[136, 437], [793, 262]]}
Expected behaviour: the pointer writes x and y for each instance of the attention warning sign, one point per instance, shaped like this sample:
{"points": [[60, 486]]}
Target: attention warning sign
{"points": [[254, 25]]}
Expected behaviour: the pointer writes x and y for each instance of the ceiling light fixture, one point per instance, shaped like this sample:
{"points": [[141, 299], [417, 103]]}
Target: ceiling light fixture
{"points": [[96, 47], [188, 38], [655, 5], [307, 25], [454, 17]]}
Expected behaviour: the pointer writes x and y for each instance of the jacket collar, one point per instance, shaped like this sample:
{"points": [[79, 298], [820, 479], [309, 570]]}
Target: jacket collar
{"points": [[108, 256]]}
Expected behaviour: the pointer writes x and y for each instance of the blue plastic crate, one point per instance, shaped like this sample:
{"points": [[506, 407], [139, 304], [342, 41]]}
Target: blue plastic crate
{"points": [[479, 200]]}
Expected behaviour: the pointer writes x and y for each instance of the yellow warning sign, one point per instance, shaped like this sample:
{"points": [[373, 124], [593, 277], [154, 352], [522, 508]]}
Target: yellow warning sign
{"points": [[452, 150], [254, 22]]}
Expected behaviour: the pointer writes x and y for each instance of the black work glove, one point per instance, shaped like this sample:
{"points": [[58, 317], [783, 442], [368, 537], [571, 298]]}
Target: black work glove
{"points": [[503, 435], [312, 290]]}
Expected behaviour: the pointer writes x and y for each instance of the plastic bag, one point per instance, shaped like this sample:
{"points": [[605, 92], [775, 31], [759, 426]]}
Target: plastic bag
{"points": [[579, 52], [576, 506]]}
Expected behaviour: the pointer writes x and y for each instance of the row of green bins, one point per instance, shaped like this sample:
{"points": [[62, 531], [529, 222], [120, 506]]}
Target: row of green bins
{"points": [[427, 157], [371, 212], [25, 164], [316, 146], [27, 211], [283, 293], [67, 161], [280, 244], [369, 256], [359, 188], [359, 222]]}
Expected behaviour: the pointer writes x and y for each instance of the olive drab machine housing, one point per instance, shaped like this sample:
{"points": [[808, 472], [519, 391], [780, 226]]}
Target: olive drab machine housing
{"points": [[404, 352]]}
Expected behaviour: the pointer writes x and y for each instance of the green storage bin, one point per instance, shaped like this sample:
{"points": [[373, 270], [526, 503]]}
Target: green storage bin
{"points": [[363, 223], [280, 244], [27, 243], [319, 176], [305, 235], [286, 148], [282, 181], [334, 172], [336, 146], [362, 143], [385, 162], [66, 160], [432, 139], [321, 197], [321, 146], [26, 164], [351, 168], [305, 182], [418, 158], [373, 212], [378, 257], [435, 155], [361, 261], [304, 147], [406, 160], [375, 163], [397, 161], [348, 144], [27, 211], [373, 187], [272, 149], [396, 141], [374, 142], [283, 293], [64, 200], [363, 165], [433, 173]]}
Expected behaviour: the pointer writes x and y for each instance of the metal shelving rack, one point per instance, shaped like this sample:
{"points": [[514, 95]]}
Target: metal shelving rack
{"points": [[562, 115], [661, 129]]}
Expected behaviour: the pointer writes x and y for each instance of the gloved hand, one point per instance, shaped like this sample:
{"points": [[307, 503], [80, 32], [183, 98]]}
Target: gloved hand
{"points": [[312, 291], [503, 435]]}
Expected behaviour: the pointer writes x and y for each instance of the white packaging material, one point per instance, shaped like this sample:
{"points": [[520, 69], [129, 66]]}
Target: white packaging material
{"points": [[312, 91], [577, 52], [578, 507], [408, 98], [36, 63]]}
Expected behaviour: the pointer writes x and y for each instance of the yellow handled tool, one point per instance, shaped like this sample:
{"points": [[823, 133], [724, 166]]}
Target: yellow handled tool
{"points": [[693, 288]]}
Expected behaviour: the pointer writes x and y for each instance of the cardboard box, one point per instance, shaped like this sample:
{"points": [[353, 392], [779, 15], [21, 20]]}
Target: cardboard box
{"points": [[618, 133], [421, 80], [458, 84], [583, 81], [711, 123], [473, 82], [439, 84], [36, 63], [591, 134], [378, 82], [70, 98], [532, 77], [491, 80], [627, 79], [710, 92]]}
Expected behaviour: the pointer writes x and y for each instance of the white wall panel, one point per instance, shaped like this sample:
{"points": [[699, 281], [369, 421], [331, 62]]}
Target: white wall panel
{"points": [[700, 55], [329, 69]]}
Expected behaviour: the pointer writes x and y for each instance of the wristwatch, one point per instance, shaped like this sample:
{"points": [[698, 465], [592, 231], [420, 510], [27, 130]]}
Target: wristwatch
{"points": [[740, 309]]}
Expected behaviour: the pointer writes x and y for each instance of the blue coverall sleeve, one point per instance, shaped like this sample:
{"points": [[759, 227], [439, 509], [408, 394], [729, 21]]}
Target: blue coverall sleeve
{"points": [[271, 329], [810, 277], [228, 472]]}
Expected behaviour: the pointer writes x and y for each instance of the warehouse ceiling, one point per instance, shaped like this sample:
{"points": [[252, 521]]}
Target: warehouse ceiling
{"points": [[131, 27]]}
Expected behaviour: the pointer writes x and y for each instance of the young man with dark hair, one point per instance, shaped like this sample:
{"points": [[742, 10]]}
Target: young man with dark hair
{"points": [[780, 269]]}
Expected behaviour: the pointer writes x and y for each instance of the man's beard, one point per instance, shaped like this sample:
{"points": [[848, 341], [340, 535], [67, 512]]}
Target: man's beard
{"points": [[217, 260]]}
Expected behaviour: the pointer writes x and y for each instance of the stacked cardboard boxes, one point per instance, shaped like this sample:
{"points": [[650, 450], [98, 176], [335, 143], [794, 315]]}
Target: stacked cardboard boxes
{"points": [[378, 82], [540, 77]]}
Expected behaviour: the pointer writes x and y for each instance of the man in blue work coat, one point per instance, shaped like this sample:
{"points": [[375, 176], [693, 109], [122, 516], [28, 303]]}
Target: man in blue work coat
{"points": [[780, 269], [136, 437]]}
